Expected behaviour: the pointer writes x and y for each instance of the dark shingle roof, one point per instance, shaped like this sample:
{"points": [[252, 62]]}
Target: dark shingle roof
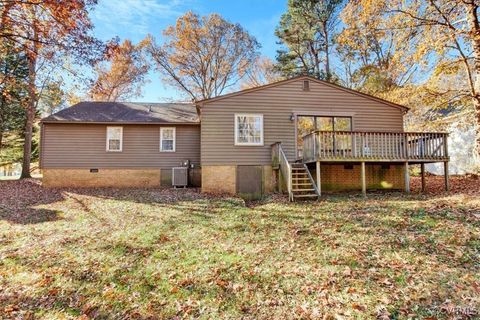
{"points": [[126, 112]]}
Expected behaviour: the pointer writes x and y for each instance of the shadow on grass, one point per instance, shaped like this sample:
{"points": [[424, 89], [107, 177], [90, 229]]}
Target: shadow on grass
{"points": [[19, 200]]}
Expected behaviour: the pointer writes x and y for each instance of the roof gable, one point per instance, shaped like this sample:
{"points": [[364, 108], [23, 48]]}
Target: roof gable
{"points": [[322, 82]]}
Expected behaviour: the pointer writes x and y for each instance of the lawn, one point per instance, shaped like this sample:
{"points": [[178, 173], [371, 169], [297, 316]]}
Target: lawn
{"points": [[154, 254]]}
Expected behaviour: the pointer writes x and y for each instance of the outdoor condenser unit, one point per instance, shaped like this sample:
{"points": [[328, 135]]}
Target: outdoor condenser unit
{"points": [[180, 175]]}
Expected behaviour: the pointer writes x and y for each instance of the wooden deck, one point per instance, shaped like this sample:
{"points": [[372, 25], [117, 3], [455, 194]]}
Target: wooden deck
{"points": [[361, 147], [356, 146]]}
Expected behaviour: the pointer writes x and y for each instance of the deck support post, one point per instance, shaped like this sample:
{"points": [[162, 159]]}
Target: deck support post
{"points": [[319, 181], [407, 178], [422, 172], [445, 173], [364, 180]]}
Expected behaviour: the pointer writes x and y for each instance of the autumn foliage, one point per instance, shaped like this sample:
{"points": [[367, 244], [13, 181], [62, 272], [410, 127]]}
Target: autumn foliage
{"points": [[47, 32], [123, 75], [204, 56]]}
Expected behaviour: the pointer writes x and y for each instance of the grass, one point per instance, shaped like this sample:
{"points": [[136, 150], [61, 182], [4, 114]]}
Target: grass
{"points": [[148, 254]]}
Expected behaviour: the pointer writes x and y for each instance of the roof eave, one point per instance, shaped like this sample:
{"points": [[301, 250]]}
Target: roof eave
{"points": [[117, 122]]}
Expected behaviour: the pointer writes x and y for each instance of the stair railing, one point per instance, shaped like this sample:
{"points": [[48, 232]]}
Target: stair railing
{"points": [[279, 160]]}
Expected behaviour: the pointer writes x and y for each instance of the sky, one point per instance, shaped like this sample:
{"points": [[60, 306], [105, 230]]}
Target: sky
{"points": [[134, 19]]}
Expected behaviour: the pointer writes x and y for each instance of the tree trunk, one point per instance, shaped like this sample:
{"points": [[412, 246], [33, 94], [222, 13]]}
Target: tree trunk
{"points": [[32, 101], [474, 25], [327, 53], [1, 139], [327, 63]]}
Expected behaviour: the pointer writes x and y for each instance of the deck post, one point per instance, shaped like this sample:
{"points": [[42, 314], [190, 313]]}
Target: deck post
{"points": [[364, 180], [319, 182], [422, 171], [407, 178], [445, 173]]}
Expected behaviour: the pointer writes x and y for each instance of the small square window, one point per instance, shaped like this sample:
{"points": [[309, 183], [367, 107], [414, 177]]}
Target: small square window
{"points": [[248, 129]]}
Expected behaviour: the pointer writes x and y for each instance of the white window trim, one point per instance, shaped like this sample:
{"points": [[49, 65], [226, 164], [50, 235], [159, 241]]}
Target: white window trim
{"points": [[254, 144], [121, 139], [174, 138]]}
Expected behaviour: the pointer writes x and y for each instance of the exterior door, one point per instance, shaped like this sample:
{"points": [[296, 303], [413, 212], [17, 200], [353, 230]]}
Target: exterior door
{"points": [[305, 125], [309, 123]]}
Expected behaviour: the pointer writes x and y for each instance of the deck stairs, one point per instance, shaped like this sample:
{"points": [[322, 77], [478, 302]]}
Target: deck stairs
{"points": [[303, 185]]}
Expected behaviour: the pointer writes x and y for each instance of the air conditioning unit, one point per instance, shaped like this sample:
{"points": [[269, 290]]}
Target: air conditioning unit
{"points": [[180, 177]]}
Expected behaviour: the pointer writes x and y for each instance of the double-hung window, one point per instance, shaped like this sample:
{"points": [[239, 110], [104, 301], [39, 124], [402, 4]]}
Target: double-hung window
{"points": [[114, 139], [249, 129], [167, 139]]}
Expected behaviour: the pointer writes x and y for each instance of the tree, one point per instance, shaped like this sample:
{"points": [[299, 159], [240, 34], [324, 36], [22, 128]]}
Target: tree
{"points": [[444, 37], [377, 58], [451, 31], [52, 98], [307, 30], [262, 72], [13, 74], [46, 30], [124, 77], [204, 56]]}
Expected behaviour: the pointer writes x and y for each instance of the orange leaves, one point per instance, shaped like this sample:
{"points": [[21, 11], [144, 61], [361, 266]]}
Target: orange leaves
{"points": [[125, 74], [203, 55]]}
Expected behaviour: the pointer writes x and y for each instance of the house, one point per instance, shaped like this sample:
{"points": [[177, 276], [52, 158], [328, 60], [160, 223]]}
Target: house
{"points": [[301, 135]]}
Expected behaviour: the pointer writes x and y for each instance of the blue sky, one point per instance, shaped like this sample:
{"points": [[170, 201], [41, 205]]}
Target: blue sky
{"points": [[134, 19]]}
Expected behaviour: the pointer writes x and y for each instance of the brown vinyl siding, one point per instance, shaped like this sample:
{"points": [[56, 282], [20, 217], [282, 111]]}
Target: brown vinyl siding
{"points": [[84, 146], [277, 103]]}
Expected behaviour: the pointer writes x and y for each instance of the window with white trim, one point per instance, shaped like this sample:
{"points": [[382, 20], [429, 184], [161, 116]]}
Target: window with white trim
{"points": [[167, 139], [249, 129], [114, 139]]}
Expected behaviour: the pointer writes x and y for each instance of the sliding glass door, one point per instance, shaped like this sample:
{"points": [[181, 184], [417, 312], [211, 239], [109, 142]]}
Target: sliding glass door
{"points": [[307, 124]]}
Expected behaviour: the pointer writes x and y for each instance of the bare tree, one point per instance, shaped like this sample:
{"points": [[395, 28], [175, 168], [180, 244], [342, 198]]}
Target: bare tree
{"points": [[204, 56], [262, 72]]}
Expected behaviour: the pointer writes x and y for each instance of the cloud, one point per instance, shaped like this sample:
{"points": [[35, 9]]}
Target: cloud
{"points": [[133, 18]]}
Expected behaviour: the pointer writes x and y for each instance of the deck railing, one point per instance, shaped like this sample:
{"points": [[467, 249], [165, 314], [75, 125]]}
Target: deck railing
{"points": [[375, 146], [280, 161]]}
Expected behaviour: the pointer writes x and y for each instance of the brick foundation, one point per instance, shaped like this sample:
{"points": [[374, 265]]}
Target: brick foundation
{"points": [[219, 179], [269, 180], [336, 177], [223, 179], [118, 178]]}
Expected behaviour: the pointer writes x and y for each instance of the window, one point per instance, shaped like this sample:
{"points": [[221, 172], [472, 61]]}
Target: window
{"points": [[249, 129], [114, 139], [324, 123], [167, 139], [334, 123]]}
